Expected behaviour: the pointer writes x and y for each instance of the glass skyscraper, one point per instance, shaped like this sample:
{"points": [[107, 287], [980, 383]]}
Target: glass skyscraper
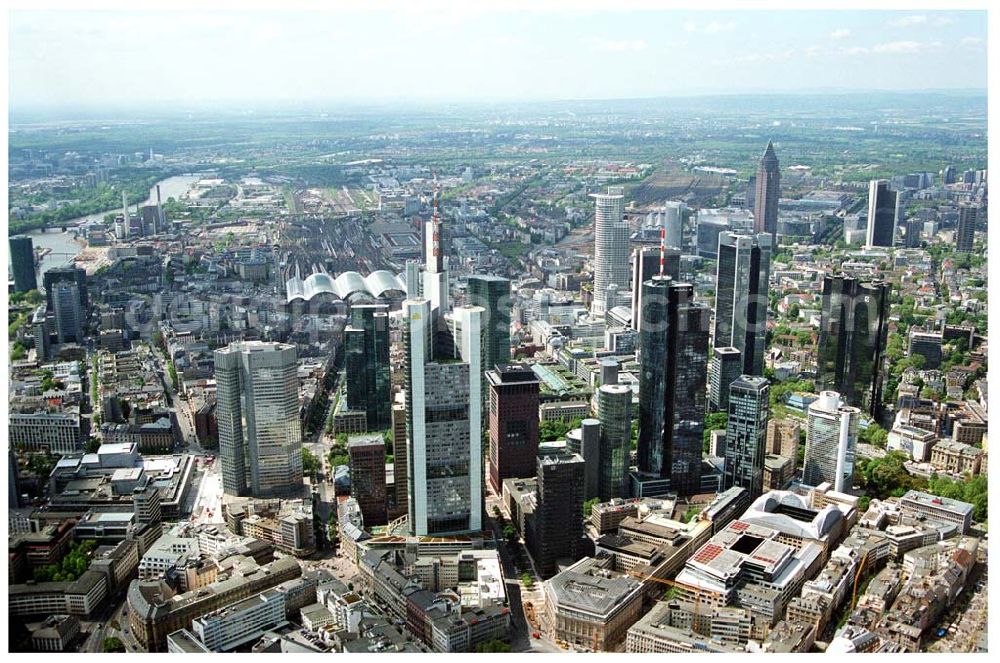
{"points": [[882, 215], [444, 421], [260, 434], [22, 263], [366, 345], [674, 366], [831, 440], [492, 293], [767, 191], [727, 365], [611, 237], [741, 297], [614, 411], [646, 265], [746, 434], [853, 331]]}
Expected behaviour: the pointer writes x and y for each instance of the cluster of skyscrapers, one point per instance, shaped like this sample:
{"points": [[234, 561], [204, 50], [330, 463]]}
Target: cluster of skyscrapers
{"points": [[63, 317], [459, 382]]}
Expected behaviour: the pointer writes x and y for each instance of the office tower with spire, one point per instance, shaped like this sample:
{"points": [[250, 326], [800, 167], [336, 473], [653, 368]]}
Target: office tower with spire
{"points": [[436, 265], [741, 296], [831, 440], [746, 435], [444, 420], [492, 293], [22, 263], [726, 366], [674, 350], [513, 421], [614, 411], [366, 347], [767, 190], [965, 235], [260, 435], [853, 331], [647, 262], [882, 215], [611, 237]]}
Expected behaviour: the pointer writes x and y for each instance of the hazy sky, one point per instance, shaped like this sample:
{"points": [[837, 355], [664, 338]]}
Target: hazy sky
{"points": [[116, 58]]}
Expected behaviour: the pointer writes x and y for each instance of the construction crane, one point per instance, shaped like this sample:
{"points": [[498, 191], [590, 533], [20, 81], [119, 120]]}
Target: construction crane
{"points": [[857, 577], [697, 591]]}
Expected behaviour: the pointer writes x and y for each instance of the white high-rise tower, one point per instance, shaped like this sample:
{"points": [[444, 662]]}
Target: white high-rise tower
{"points": [[444, 421], [831, 440], [611, 236]]}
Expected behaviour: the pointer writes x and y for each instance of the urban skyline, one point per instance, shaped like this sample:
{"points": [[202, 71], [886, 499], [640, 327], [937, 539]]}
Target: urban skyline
{"points": [[455, 371]]}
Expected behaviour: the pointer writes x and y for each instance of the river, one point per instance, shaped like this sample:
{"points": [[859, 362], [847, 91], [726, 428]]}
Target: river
{"points": [[65, 248]]}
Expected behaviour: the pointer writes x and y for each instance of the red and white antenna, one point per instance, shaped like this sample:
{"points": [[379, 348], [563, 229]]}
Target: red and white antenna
{"points": [[436, 228], [663, 248]]}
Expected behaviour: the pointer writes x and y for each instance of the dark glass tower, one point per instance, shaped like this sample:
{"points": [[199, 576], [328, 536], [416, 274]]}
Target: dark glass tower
{"points": [[614, 410], [558, 531], [741, 297], [966, 233], [746, 435], [513, 421], [366, 344], [853, 330], [727, 365], [22, 263], [674, 344], [766, 193], [882, 215], [57, 274], [493, 294]]}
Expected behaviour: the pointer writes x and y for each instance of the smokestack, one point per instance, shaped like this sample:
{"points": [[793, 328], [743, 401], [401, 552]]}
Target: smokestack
{"points": [[160, 221]]}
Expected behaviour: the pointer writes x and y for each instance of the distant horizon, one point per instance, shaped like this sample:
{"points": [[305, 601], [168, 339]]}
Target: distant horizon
{"points": [[140, 111], [81, 60]]}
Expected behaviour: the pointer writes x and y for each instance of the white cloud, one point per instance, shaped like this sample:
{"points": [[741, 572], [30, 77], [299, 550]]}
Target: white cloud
{"points": [[975, 44], [713, 28], [897, 47], [841, 33], [756, 58], [812, 51], [854, 50], [909, 21], [621, 46]]}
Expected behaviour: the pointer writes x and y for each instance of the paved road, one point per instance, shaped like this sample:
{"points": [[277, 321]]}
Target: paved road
{"points": [[95, 642]]}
